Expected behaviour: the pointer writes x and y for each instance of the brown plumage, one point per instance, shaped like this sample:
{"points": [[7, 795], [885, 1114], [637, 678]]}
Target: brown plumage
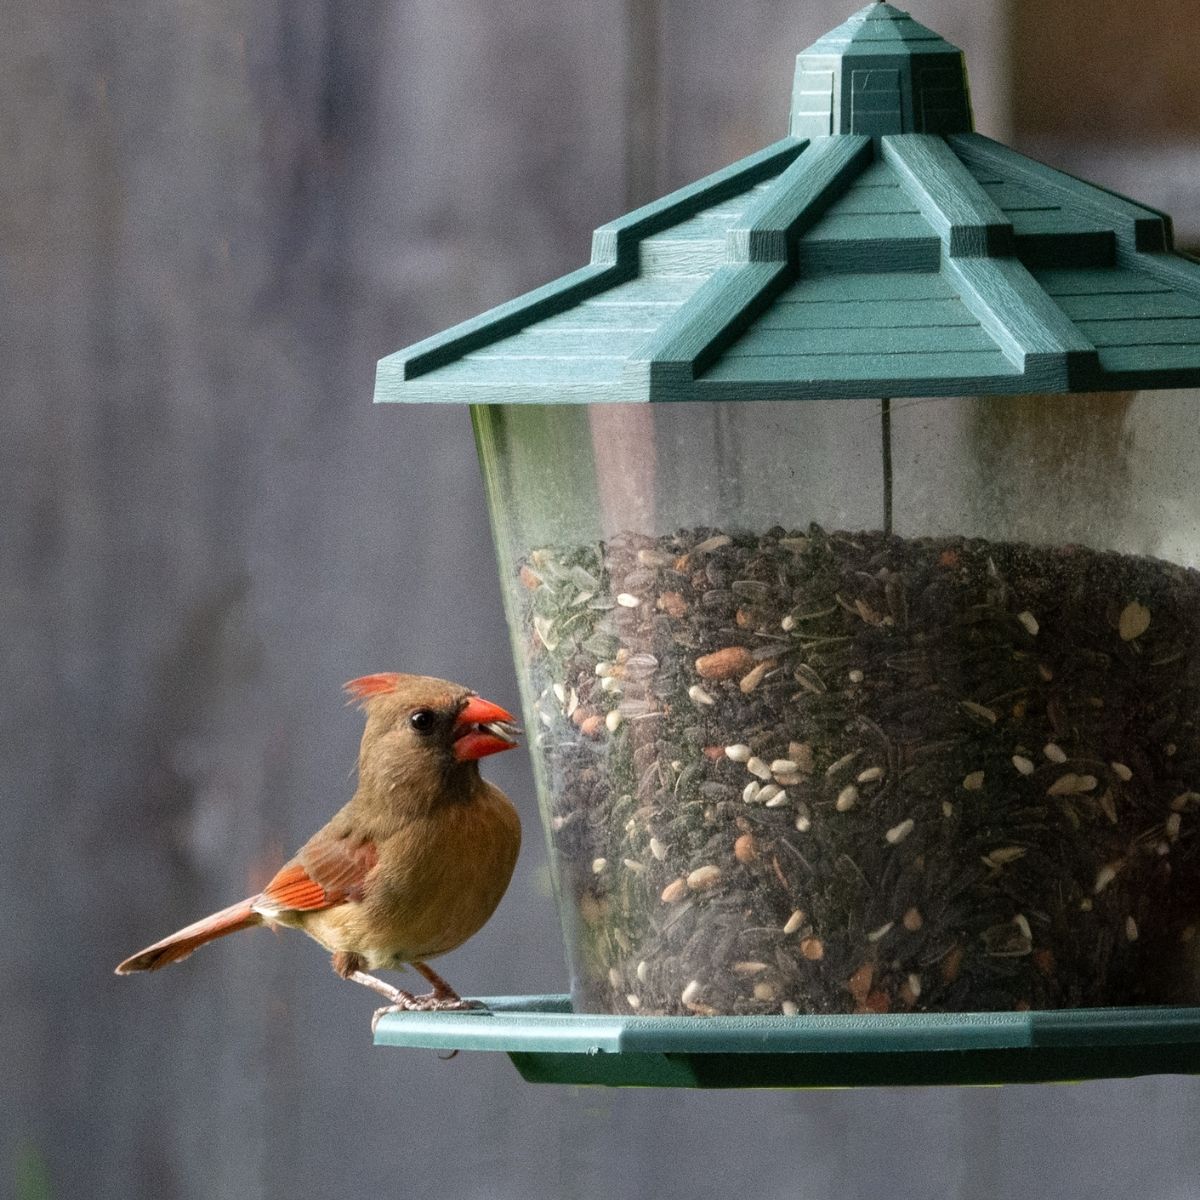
{"points": [[413, 865]]}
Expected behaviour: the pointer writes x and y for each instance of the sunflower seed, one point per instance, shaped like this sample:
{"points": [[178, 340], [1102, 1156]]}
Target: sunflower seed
{"points": [[836, 768], [1071, 784], [702, 878], [757, 767], [1003, 855], [979, 710], [674, 891]]}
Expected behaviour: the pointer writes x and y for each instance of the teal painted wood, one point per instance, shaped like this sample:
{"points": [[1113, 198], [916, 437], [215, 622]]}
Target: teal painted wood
{"points": [[616, 242], [853, 289], [761, 247], [896, 339], [684, 345], [900, 313], [880, 72], [614, 260], [966, 219], [1109, 306], [1148, 332], [591, 318], [887, 199], [1143, 360], [799, 198], [1027, 325], [1070, 281], [884, 227], [550, 1044], [1137, 227], [687, 256], [817, 256], [563, 343], [880, 369], [1179, 271], [541, 370], [887, 261], [1055, 222]]}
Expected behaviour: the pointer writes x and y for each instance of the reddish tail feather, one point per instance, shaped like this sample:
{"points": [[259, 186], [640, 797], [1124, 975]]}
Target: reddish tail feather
{"points": [[179, 945]]}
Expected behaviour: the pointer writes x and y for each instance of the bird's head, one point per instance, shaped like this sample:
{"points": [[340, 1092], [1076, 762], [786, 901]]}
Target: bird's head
{"points": [[421, 729]]}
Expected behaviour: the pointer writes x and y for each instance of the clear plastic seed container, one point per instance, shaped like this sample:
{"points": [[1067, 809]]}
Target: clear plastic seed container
{"points": [[848, 706]]}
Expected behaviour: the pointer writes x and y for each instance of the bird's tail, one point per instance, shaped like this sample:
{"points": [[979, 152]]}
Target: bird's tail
{"points": [[179, 945]]}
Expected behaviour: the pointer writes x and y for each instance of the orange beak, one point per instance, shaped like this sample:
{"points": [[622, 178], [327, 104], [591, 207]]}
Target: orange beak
{"points": [[483, 728]]}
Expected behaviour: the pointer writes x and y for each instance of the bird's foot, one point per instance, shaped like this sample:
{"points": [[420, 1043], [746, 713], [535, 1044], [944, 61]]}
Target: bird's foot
{"points": [[440, 1002], [432, 1002]]}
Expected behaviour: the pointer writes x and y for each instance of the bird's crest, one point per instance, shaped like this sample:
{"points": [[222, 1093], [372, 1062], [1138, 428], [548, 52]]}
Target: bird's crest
{"points": [[366, 687]]}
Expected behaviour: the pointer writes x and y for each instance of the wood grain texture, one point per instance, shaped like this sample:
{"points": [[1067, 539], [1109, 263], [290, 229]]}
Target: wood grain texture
{"points": [[727, 303], [798, 199], [966, 218], [1137, 227], [1027, 325], [615, 260]]}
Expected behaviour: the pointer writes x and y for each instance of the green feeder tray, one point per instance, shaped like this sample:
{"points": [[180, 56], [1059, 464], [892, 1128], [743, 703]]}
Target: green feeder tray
{"points": [[548, 1043]]}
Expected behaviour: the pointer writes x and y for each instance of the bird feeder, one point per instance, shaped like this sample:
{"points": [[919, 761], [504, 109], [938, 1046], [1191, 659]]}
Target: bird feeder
{"points": [[847, 517]]}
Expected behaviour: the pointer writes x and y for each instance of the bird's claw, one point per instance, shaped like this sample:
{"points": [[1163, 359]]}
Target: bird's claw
{"points": [[432, 1002]]}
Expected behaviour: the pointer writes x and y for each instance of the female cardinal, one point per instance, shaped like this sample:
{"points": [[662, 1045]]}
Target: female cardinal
{"points": [[413, 865]]}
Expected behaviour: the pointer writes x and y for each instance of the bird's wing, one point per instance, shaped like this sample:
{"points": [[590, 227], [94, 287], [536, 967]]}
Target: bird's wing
{"points": [[328, 870]]}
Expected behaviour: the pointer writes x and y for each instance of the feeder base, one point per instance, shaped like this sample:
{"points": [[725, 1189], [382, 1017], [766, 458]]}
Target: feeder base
{"points": [[548, 1043]]}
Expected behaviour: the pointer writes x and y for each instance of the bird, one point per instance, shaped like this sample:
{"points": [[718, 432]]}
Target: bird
{"points": [[412, 866]]}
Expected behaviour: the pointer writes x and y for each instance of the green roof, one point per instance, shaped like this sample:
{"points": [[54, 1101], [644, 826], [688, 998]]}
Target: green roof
{"points": [[884, 248]]}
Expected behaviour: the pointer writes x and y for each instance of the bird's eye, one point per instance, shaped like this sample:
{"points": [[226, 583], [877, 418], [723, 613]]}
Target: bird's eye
{"points": [[423, 720]]}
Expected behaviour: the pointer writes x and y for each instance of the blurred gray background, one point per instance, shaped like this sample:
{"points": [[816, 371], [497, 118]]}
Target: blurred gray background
{"points": [[215, 217]]}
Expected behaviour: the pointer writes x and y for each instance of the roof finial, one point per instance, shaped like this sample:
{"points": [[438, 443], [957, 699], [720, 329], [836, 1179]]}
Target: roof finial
{"points": [[880, 72]]}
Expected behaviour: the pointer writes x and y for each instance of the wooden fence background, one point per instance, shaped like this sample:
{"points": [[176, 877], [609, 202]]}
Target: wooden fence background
{"points": [[214, 218]]}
